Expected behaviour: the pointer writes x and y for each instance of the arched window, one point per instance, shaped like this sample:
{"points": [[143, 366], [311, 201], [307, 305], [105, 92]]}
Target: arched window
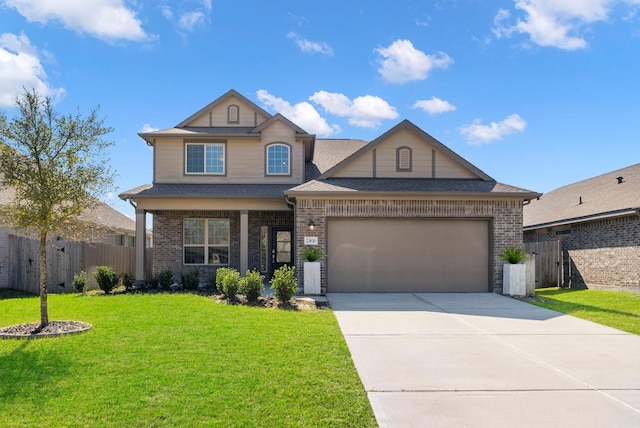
{"points": [[278, 159], [403, 159], [233, 114]]}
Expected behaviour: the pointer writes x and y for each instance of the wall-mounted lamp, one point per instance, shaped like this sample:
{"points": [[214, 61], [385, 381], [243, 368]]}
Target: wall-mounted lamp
{"points": [[311, 225]]}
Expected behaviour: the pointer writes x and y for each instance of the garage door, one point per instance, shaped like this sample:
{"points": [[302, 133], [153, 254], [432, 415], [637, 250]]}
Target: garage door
{"points": [[399, 255]]}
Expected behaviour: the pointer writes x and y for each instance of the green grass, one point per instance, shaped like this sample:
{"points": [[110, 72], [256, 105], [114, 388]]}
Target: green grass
{"points": [[615, 309], [181, 360]]}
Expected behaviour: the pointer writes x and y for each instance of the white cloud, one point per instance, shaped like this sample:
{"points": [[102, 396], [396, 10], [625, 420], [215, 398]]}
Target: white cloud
{"points": [[309, 46], [302, 114], [434, 106], [400, 62], [366, 111], [198, 14], [108, 20], [148, 128], [477, 134], [555, 23], [20, 67]]}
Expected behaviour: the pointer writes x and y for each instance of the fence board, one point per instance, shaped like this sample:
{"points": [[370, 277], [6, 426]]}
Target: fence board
{"points": [[64, 259], [548, 262]]}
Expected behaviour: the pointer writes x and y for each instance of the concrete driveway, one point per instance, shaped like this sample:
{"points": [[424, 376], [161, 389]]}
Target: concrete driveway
{"points": [[485, 360]]}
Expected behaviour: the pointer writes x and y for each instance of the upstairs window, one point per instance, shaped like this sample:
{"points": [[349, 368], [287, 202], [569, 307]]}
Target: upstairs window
{"points": [[205, 159], [403, 159], [233, 114], [278, 159]]}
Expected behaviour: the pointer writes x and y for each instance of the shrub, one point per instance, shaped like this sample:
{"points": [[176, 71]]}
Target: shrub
{"points": [[311, 254], [252, 285], [220, 274], [513, 255], [80, 281], [230, 283], [165, 278], [191, 280], [106, 278], [284, 283], [128, 279]]}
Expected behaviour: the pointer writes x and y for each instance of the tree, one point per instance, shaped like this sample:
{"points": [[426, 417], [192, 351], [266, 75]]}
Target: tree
{"points": [[57, 166]]}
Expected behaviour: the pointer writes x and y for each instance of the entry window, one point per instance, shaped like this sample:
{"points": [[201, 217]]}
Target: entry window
{"points": [[403, 159], [205, 158], [283, 247], [206, 241], [264, 230], [278, 159]]}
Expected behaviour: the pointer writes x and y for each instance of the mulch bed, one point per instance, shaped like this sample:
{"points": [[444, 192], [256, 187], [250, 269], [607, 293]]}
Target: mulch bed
{"points": [[33, 330]]}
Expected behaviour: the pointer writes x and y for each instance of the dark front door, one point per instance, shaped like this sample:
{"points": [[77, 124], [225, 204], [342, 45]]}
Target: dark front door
{"points": [[281, 247]]}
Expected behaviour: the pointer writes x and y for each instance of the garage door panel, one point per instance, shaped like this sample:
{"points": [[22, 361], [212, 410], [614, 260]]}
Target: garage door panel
{"points": [[407, 255]]}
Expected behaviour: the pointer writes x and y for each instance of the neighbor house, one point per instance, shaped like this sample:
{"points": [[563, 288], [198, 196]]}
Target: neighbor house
{"points": [[103, 224], [236, 186], [598, 224]]}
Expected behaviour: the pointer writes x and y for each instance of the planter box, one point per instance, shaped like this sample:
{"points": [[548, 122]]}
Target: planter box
{"points": [[514, 280], [312, 278]]}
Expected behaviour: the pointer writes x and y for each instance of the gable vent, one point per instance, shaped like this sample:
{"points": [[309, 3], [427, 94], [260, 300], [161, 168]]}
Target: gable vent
{"points": [[404, 158]]}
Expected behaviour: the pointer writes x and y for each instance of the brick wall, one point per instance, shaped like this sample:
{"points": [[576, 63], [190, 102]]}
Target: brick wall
{"points": [[505, 221]]}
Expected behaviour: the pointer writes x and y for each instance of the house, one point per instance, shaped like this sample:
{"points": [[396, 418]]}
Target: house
{"points": [[103, 224], [598, 223], [236, 186]]}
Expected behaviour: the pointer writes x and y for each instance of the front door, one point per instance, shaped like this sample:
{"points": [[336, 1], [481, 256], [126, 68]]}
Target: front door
{"points": [[281, 247]]}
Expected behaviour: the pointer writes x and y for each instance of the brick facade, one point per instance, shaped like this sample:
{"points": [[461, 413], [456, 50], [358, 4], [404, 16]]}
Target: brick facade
{"points": [[599, 254], [505, 221], [168, 238]]}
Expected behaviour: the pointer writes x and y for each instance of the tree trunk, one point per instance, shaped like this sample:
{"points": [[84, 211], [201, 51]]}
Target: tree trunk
{"points": [[44, 311]]}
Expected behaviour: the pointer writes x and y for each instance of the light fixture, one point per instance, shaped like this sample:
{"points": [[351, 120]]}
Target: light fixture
{"points": [[311, 225]]}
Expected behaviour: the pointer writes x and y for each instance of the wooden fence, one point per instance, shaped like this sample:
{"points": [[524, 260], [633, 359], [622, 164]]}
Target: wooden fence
{"points": [[548, 262], [64, 260]]}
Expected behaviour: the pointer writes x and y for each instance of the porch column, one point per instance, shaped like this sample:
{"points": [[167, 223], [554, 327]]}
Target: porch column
{"points": [[244, 241], [141, 243]]}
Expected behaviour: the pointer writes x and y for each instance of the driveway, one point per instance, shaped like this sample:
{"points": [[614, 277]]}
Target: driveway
{"points": [[485, 360]]}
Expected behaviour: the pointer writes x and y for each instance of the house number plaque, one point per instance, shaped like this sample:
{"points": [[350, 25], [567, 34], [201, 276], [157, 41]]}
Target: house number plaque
{"points": [[310, 240]]}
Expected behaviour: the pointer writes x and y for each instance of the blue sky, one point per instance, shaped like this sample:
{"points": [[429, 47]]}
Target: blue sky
{"points": [[536, 93]]}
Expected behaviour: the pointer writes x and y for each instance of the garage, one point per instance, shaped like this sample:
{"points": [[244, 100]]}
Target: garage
{"points": [[407, 255]]}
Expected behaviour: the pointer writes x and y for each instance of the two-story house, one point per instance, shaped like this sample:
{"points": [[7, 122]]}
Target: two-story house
{"points": [[236, 186]]}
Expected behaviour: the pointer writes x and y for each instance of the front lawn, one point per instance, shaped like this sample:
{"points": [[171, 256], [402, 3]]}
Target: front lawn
{"points": [[178, 360], [615, 309]]}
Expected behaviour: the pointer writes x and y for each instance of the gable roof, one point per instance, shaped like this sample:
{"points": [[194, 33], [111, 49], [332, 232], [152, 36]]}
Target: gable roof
{"points": [[597, 197], [406, 124], [230, 93]]}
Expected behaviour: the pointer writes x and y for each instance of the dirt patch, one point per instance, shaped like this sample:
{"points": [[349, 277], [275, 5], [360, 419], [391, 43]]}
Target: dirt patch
{"points": [[269, 302], [33, 330]]}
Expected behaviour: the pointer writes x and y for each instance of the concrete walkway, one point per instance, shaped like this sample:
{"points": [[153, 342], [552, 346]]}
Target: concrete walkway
{"points": [[485, 360]]}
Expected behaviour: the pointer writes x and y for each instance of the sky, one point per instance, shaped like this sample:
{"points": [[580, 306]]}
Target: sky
{"points": [[536, 93]]}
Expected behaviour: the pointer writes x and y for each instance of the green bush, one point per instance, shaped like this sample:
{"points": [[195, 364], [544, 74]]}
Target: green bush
{"points": [[284, 283], [128, 279], [165, 279], [312, 254], [230, 283], [191, 280], [513, 255], [252, 285], [80, 281], [220, 274], [106, 278]]}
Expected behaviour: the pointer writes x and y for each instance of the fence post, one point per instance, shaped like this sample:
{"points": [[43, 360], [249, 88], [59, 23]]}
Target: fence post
{"points": [[530, 286]]}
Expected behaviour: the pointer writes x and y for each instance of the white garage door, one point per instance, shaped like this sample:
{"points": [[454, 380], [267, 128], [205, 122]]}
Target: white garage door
{"points": [[407, 255]]}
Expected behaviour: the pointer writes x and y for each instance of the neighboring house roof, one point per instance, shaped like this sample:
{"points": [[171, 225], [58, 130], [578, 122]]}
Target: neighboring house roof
{"points": [[598, 197], [102, 215]]}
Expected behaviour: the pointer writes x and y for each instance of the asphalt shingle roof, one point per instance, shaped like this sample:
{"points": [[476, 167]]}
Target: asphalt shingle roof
{"points": [[600, 195], [207, 190], [328, 153]]}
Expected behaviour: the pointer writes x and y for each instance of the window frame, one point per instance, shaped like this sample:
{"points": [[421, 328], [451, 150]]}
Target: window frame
{"points": [[221, 144], [399, 167], [266, 160], [205, 245]]}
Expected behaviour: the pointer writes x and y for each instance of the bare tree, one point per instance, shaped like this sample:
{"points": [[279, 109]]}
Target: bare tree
{"points": [[57, 166]]}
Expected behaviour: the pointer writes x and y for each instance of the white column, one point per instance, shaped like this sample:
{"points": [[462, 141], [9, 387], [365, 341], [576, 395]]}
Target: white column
{"points": [[141, 242], [244, 241]]}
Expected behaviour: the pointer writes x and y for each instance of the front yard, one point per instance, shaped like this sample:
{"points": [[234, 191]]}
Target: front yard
{"points": [[167, 360], [615, 309]]}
